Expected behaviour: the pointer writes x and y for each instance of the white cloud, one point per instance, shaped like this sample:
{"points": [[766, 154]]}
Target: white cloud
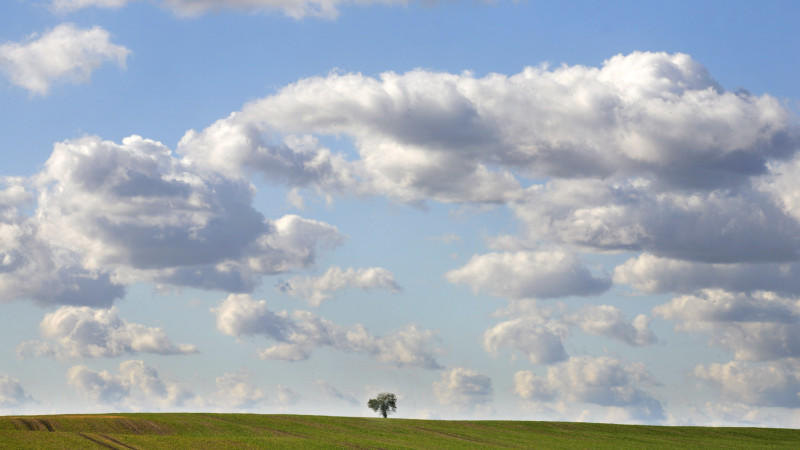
{"points": [[719, 226], [532, 331], [30, 268], [540, 274], [295, 199], [234, 390], [107, 215], [539, 332], [601, 381], [463, 388], [75, 332], [12, 394], [607, 320], [13, 195], [136, 386], [738, 414], [230, 146], [650, 274], [315, 290], [756, 327], [63, 53], [773, 384], [286, 396], [299, 333], [135, 210], [782, 184], [457, 138]]}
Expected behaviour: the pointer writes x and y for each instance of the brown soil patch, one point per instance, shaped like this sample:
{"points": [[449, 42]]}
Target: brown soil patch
{"points": [[91, 423]]}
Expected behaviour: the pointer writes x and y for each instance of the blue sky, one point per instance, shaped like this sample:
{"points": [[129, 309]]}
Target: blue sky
{"points": [[495, 210]]}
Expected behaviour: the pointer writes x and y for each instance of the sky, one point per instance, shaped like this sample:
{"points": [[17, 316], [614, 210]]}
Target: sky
{"points": [[583, 211]]}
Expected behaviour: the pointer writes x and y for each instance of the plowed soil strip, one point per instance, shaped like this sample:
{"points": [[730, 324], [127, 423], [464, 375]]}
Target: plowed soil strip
{"points": [[46, 424], [26, 424], [109, 438], [97, 441]]}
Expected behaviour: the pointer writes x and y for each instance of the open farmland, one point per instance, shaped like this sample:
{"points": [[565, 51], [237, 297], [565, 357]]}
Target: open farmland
{"points": [[179, 430]]}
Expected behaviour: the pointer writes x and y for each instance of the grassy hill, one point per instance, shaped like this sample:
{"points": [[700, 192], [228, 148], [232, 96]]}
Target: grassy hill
{"points": [[129, 431]]}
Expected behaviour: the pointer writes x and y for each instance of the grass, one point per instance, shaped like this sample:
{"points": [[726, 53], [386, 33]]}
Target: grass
{"points": [[241, 431]]}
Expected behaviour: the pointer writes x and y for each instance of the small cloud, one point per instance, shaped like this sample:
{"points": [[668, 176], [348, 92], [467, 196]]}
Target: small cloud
{"points": [[83, 332], [63, 53], [136, 386], [315, 290], [298, 334], [12, 394], [463, 388]]}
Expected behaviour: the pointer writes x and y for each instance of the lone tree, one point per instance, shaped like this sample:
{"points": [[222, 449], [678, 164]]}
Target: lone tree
{"points": [[384, 403]]}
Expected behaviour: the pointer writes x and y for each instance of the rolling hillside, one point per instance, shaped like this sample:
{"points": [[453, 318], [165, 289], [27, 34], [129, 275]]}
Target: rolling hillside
{"points": [[178, 430]]}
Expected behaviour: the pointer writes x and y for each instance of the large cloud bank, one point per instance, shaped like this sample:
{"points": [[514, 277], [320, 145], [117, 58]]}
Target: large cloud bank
{"points": [[108, 214], [455, 137], [646, 155]]}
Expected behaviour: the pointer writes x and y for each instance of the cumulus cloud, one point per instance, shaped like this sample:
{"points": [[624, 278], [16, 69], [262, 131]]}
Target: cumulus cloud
{"points": [[106, 214], [607, 320], [81, 332], [719, 226], [64, 53], [648, 273], [234, 390], [286, 396], [12, 394], [540, 274], [774, 384], [463, 388], [315, 290], [533, 331], [601, 381], [757, 327], [137, 211], [30, 268], [538, 332], [299, 333], [455, 138], [135, 386]]}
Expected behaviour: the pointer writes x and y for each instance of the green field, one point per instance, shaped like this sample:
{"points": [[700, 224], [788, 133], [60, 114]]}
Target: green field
{"points": [[129, 431]]}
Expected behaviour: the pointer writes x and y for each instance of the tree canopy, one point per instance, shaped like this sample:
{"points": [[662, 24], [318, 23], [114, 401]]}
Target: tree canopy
{"points": [[384, 403]]}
